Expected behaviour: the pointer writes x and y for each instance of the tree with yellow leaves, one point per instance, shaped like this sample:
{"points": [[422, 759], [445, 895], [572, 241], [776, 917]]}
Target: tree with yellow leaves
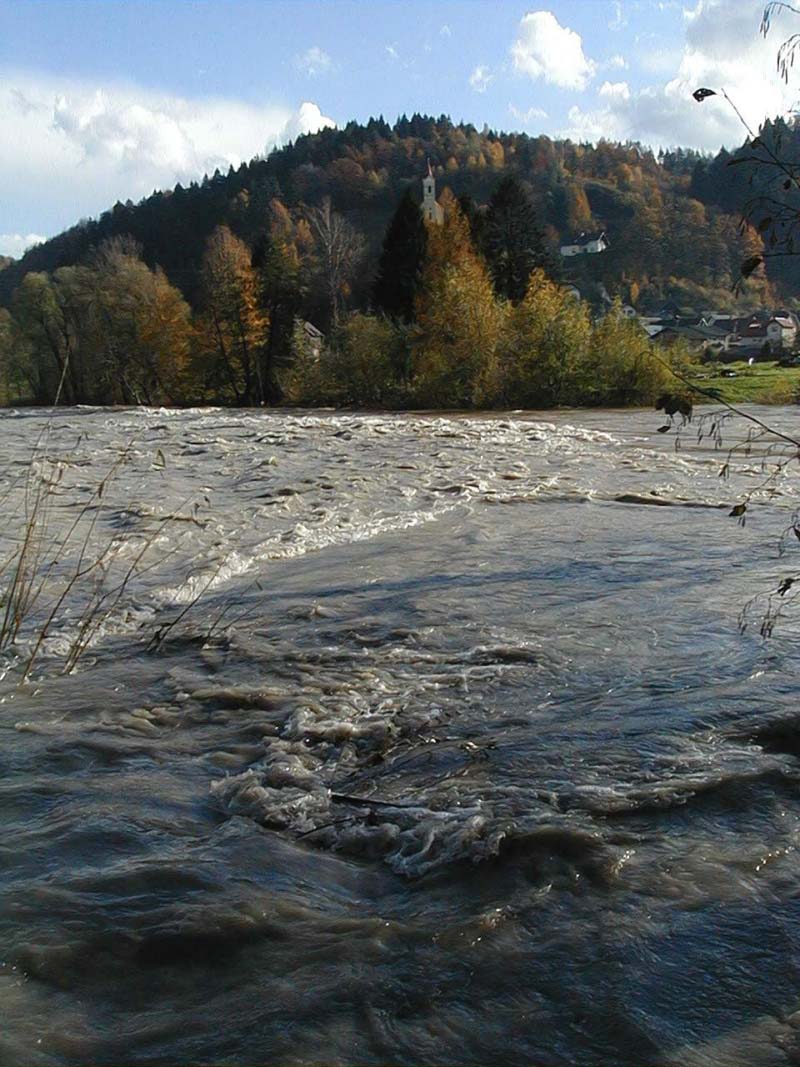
{"points": [[459, 321], [545, 347], [232, 327]]}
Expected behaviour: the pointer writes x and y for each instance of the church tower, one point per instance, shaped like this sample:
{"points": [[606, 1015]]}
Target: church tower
{"points": [[431, 211]]}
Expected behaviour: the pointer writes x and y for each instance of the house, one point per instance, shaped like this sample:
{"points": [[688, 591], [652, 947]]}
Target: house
{"points": [[707, 338], [775, 331], [311, 339], [432, 211], [585, 244]]}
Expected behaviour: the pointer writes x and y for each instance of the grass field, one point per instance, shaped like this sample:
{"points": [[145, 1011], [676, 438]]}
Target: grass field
{"points": [[763, 383]]}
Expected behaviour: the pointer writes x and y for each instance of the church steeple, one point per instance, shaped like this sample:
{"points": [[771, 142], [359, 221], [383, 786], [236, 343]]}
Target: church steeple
{"points": [[431, 211]]}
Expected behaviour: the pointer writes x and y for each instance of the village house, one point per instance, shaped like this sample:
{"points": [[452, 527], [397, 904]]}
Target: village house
{"points": [[721, 334], [585, 244]]}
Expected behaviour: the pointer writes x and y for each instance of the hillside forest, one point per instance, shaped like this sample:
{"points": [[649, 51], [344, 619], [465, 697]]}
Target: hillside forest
{"points": [[310, 277]]}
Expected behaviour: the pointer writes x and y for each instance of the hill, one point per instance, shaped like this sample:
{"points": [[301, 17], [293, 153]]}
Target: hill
{"points": [[672, 220]]}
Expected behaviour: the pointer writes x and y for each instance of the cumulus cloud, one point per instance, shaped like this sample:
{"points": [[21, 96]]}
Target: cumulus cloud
{"points": [[480, 79], [71, 148], [546, 49], [614, 90], [14, 244], [529, 116], [314, 62], [722, 49], [617, 62]]}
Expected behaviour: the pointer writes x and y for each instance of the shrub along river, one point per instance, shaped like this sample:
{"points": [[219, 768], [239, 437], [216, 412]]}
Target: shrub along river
{"points": [[395, 740]]}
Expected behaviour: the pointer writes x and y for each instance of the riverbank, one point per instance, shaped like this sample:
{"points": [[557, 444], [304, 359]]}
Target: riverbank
{"points": [[740, 383]]}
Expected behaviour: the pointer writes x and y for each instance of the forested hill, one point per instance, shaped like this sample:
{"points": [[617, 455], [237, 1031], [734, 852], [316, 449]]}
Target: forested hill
{"points": [[672, 220]]}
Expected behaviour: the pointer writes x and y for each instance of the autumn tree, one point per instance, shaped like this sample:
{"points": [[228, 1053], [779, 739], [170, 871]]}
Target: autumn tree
{"points": [[231, 329], [138, 328], [619, 367], [543, 356], [458, 318]]}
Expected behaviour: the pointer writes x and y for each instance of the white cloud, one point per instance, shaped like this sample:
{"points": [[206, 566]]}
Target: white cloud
{"points": [[480, 79], [722, 49], [614, 90], [392, 52], [616, 63], [71, 148], [528, 117], [445, 31], [314, 62], [619, 21], [546, 49], [14, 244], [307, 119]]}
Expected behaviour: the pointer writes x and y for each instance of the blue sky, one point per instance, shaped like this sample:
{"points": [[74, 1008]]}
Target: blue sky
{"points": [[102, 101]]}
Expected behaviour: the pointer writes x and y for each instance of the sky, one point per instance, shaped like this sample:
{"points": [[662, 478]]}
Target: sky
{"points": [[103, 100]]}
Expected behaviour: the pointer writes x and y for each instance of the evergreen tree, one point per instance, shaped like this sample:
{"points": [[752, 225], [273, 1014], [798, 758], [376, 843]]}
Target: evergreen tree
{"points": [[514, 242], [275, 261], [401, 260]]}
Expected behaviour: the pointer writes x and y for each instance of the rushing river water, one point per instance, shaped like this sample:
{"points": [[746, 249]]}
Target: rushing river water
{"points": [[396, 740]]}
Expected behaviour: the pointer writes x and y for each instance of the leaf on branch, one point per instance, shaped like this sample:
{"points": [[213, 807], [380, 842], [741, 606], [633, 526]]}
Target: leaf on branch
{"points": [[750, 264], [160, 461], [737, 510], [796, 532], [701, 94], [785, 586], [788, 183]]}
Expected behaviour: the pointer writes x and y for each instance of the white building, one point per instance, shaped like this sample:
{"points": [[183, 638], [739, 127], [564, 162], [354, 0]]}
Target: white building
{"points": [[585, 244], [431, 210]]}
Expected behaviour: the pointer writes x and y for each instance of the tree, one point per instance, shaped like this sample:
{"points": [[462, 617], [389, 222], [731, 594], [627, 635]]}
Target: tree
{"points": [[339, 248], [514, 241], [458, 318], [620, 368], [401, 260], [137, 328], [544, 353], [47, 319], [232, 327], [276, 264]]}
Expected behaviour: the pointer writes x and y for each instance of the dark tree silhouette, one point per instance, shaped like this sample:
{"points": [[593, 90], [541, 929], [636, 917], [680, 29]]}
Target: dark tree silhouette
{"points": [[401, 260], [514, 241]]}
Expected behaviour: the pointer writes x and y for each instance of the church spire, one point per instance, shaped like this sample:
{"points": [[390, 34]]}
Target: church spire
{"points": [[430, 209]]}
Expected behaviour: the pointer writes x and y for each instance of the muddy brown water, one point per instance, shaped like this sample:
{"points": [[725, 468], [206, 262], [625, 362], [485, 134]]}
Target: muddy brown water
{"points": [[450, 752]]}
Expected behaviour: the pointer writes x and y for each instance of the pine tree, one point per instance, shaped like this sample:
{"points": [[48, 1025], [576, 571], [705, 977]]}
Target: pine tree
{"points": [[401, 260], [276, 263], [514, 241]]}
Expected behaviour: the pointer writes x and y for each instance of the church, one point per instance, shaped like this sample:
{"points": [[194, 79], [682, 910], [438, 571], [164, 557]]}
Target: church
{"points": [[431, 210]]}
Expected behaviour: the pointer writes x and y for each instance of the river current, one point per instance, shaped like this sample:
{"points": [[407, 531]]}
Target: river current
{"points": [[397, 740]]}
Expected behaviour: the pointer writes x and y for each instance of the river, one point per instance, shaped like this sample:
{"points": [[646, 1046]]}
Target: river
{"points": [[396, 739]]}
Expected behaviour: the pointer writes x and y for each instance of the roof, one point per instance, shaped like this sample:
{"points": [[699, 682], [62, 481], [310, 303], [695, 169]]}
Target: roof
{"points": [[693, 333], [586, 238]]}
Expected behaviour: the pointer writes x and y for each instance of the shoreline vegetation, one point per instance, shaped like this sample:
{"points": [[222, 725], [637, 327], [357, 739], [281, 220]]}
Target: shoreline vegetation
{"points": [[115, 331], [265, 287]]}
